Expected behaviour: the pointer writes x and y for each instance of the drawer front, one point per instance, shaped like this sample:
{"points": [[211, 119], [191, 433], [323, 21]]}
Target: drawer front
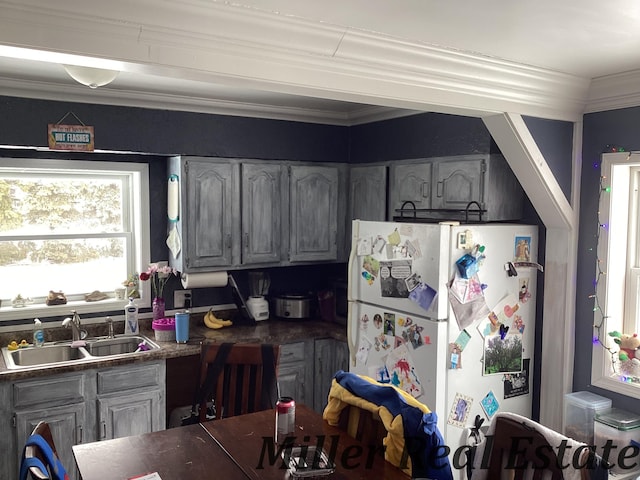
{"points": [[50, 391], [130, 377], [291, 352]]}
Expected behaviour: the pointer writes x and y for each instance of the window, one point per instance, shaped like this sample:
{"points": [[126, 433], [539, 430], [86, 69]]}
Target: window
{"points": [[70, 226], [617, 296]]}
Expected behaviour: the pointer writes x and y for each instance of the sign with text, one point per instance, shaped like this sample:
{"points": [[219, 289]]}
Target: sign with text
{"points": [[78, 138]]}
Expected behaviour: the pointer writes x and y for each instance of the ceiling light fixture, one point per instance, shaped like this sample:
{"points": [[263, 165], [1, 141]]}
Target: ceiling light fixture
{"points": [[91, 77]]}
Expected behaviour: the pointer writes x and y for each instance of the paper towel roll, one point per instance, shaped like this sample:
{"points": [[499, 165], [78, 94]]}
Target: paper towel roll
{"points": [[204, 280]]}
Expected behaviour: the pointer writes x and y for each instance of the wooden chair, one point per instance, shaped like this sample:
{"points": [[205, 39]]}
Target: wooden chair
{"points": [[364, 426], [519, 451], [33, 451], [244, 381]]}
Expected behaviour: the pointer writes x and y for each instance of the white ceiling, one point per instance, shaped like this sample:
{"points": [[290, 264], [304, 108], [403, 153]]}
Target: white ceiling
{"points": [[586, 39]]}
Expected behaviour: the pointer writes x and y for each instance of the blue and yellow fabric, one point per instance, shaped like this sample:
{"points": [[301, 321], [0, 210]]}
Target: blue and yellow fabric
{"points": [[409, 423]]}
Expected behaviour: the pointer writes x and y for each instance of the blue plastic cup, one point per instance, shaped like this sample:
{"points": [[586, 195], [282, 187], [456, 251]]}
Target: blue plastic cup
{"points": [[182, 327]]}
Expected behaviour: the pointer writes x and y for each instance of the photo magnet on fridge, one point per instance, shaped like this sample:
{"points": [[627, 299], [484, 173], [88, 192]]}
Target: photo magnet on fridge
{"points": [[460, 410]]}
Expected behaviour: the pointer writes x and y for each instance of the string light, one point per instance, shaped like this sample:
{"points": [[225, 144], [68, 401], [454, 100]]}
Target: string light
{"points": [[600, 273]]}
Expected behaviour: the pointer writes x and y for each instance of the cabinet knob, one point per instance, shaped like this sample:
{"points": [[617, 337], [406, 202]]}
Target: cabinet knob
{"points": [[439, 189], [79, 434]]}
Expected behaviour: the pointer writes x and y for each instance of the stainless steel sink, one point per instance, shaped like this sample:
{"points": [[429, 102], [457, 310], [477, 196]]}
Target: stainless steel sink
{"points": [[118, 345], [48, 354], [62, 353]]}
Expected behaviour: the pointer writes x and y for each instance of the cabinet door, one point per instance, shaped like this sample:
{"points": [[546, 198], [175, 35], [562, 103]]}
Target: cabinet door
{"points": [[368, 193], [66, 423], [292, 382], [130, 414], [295, 371], [213, 213], [314, 213], [409, 183], [458, 183], [261, 213]]}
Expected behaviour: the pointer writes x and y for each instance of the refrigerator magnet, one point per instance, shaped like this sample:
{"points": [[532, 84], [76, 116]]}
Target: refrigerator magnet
{"points": [[522, 249], [455, 356], [377, 321], [378, 244], [518, 324], [371, 265], [423, 295], [463, 339], [364, 246], [523, 292], [362, 355], [460, 410], [394, 238], [490, 404]]}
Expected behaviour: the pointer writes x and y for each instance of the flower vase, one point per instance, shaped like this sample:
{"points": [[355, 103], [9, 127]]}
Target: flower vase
{"points": [[158, 308]]}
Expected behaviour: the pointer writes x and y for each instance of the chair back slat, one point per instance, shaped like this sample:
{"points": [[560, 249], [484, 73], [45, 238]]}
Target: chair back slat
{"points": [[240, 385]]}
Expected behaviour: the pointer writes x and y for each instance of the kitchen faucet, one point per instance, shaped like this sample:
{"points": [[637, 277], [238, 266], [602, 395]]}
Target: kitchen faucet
{"points": [[74, 323]]}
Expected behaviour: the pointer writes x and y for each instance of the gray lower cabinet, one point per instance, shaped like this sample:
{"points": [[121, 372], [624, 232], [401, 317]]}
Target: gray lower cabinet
{"points": [[131, 401], [306, 369], [295, 372], [330, 356], [67, 425], [81, 407]]}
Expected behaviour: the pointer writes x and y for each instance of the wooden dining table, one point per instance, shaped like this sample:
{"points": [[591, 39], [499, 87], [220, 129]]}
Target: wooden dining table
{"points": [[234, 448]]}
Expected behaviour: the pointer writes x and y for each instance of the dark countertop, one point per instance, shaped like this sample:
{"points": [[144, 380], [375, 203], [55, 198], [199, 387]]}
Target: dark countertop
{"points": [[267, 331]]}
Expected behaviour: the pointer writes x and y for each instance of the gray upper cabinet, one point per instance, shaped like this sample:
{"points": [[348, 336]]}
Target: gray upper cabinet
{"points": [[209, 213], [409, 182], [368, 192], [262, 202], [451, 183], [313, 226], [237, 213], [458, 182]]}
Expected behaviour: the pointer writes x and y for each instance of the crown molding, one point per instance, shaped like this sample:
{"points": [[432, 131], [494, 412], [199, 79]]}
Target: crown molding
{"points": [[613, 92], [235, 45]]}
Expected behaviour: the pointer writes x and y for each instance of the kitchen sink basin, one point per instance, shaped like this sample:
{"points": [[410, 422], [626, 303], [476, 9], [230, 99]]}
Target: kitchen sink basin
{"points": [[62, 353], [48, 354], [118, 345]]}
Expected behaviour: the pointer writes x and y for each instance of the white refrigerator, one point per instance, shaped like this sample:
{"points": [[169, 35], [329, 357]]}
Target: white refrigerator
{"points": [[447, 313]]}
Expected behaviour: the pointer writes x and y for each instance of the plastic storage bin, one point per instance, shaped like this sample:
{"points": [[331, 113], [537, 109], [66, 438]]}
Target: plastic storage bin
{"points": [[620, 427], [579, 414], [165, 329]]}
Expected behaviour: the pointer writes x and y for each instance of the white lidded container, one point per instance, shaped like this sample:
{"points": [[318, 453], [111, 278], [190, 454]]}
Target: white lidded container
{"points": [[619, 426], [579, 414]]}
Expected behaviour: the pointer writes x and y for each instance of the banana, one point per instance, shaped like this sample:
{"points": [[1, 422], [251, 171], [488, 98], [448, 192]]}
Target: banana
{"points": [[211, 321]]}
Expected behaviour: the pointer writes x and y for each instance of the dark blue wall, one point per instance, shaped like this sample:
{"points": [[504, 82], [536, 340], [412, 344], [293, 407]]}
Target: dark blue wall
{"points": [[554, 139], [419, 136], [620, 128]]}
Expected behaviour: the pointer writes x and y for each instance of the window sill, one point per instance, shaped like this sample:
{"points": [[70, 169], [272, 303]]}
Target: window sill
{"points": [[27, 313]]}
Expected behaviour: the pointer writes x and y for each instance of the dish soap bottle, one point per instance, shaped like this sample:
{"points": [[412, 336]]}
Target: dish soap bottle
{"points": [[131, 318], [38, 333]]}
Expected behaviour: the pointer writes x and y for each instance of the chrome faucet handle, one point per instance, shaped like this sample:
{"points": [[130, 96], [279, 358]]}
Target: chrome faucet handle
{"points": [[109, 321]]}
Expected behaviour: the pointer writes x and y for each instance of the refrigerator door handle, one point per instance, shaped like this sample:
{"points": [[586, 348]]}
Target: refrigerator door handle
{"points": [[355, 234], [353, 345]]}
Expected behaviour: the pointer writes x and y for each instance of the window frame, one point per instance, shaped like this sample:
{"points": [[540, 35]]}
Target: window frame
{"points": [[136, 212], [617, 231]]}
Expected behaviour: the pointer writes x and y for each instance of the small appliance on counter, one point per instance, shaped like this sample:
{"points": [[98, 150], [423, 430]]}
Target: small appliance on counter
{"points": [[259, 283], [294, 306]]}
